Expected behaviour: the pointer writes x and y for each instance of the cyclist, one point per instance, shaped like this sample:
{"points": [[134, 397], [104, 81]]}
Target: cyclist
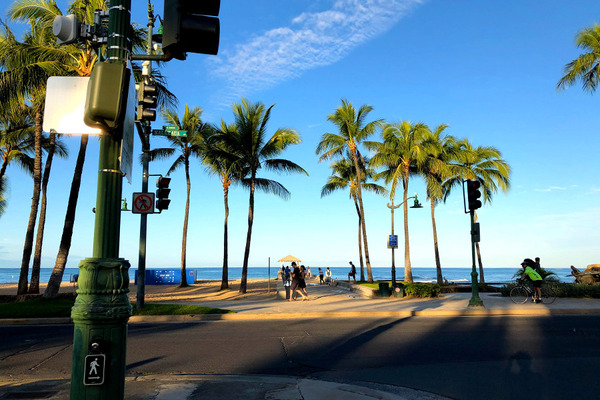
{"points": [[528, 270]]}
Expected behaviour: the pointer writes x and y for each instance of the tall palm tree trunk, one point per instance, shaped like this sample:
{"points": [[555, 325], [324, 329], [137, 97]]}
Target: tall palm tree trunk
{"points": [[225, 277], [67, 234], [436, 250], [35, 201], [408, 277], [362, 214], [34, 285], [244, 282], [183, 282], [360, 255]]}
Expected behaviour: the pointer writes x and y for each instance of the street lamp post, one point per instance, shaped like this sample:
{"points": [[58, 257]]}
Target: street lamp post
{"points": [[392, 207]]}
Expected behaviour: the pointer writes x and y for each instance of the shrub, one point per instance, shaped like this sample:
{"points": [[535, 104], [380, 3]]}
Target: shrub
{"points": [[422, 289]]}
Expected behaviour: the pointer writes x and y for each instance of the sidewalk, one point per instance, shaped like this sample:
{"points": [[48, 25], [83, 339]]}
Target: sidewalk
{"points": [[325, 301], [345, 301]]}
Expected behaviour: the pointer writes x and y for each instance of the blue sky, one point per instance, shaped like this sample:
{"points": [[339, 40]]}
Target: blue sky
{"points": [[488, 69]]}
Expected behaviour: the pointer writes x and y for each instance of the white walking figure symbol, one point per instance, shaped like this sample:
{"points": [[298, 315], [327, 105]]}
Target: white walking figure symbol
{"points": [[93, 365]]}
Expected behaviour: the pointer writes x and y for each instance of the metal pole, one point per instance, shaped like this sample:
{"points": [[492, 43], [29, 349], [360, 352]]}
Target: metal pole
{"points": [[102, 307], [475, 299], [145, 136], [392, 207], [269, 280]]}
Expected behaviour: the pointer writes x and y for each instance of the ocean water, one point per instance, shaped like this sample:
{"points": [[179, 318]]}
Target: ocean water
{"points": [[458, 275]]}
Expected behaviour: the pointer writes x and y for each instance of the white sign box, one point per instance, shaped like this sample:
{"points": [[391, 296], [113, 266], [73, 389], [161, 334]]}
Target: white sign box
{"points": [[65, 102]]}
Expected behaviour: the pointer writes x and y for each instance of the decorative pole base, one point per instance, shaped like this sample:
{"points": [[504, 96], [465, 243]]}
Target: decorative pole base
{"points": [[100, 315]]}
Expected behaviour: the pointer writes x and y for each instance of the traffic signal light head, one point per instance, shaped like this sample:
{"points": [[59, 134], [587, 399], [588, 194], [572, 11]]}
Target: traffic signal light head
{"points": [[473, 194], [189, 27], [147, 101], [162, 193]]}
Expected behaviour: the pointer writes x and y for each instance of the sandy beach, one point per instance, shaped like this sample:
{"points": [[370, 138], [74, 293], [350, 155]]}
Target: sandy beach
{"points": [[206, 290]]}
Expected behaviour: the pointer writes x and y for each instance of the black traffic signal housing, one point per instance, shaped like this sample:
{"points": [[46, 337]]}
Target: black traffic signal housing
{"points": [[189, 26], [473, 194], [162, 193], [147, 101]]}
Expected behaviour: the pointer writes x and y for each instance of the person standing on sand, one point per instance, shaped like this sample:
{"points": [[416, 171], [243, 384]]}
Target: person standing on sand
{"points": [[308, 273], [302, 284], [328, 276], [295, 281], [321, 276]]}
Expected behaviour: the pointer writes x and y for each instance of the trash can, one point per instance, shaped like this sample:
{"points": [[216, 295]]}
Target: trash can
{"points": [[384, 289], [398, 290]]}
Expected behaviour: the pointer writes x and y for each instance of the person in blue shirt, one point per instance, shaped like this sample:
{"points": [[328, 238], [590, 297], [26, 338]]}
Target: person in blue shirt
{"points": [[536, 279]]}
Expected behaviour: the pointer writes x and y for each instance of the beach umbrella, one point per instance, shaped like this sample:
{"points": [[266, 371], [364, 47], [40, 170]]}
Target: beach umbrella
{"points": [[289, 258]]}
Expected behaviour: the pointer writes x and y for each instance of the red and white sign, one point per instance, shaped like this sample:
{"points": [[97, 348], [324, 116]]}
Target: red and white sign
{"points": [[143, 203]]}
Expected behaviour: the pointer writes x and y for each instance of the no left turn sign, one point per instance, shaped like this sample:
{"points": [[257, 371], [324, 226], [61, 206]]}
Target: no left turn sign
{"points": [[143, 203]]}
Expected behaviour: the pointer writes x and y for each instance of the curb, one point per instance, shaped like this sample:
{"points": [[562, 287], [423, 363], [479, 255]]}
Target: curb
{"points": [[315, 315]]}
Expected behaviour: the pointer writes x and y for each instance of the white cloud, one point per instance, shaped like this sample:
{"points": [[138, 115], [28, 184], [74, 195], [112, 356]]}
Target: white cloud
{"points": [[550, 189], [311, 40]]}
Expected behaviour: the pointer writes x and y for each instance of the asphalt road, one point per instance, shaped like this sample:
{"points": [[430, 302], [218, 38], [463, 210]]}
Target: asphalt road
{"points": [[464, 358]]}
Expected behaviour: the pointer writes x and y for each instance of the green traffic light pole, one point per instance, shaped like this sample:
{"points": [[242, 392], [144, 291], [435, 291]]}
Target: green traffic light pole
{"points": [[102, 307]]}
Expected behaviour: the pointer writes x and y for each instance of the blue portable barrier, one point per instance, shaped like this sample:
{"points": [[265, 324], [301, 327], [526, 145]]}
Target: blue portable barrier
{"points": [[167, 277]]}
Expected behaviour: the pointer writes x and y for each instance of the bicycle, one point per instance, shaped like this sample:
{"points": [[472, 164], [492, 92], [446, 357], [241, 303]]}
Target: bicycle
{"points": [[520, 293]]}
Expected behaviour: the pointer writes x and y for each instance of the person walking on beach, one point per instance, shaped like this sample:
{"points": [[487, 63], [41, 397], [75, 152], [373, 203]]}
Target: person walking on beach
{"points": [[352, 272], [308, 273], [328, 276], [528, 270], [321, 276], [295, 281]]}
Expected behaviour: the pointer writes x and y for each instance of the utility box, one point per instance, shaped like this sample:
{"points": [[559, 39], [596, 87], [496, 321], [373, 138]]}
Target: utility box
{"points": [[106, 95]]}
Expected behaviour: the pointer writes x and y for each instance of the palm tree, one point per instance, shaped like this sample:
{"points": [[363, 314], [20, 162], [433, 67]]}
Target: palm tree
{"points": [[440, 152], [401, 154], [15, 142], [192, 145], [255, 150], [484, 164], [223, 162], [3, 196], [586, 67], [353, 129], [16, 131], [344, 177], [26, 67], [54, 146]]}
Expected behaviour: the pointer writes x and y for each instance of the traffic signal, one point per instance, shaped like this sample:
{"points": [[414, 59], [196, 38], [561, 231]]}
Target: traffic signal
{"points": [[189, 27], [162, 193], [473, 194], [147, 100]]}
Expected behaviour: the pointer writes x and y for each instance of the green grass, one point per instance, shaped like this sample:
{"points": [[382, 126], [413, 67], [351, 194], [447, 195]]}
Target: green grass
{"points": [[176, 309], [42, 308], [37, 308]]}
